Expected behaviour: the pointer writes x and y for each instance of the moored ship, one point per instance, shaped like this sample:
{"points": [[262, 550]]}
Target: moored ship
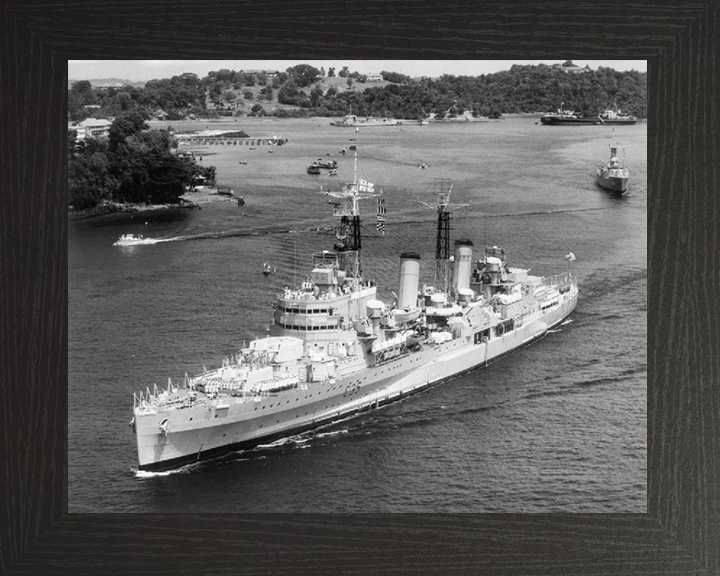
{"points": [[353, 121], [609, 116], [614, 176], [616, 117], [335, 349], [562, 116]]}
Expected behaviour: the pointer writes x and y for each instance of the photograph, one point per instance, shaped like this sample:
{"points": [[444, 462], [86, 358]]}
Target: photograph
{"points": [[357, 286], [349, 289]]}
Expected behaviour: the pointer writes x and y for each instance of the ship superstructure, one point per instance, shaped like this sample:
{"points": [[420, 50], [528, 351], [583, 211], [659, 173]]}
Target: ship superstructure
{"points": [[336, 349]]}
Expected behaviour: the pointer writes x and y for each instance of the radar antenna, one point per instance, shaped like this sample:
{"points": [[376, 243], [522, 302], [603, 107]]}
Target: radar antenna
{"points": [[443, 206]]}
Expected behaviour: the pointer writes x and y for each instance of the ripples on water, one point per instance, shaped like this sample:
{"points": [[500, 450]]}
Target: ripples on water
{"points": [[557, 426]]}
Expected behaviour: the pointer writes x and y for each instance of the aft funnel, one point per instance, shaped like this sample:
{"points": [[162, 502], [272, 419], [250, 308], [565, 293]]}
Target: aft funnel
{"points": [[409, 278], [462, 267]]}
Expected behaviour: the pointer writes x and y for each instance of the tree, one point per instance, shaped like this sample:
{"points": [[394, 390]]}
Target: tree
{"points": [[257, 110], [267, 93], [303, 74], [331, 72], [89, 177], [394, 77], [84, 90], [126, 125], [147, 171], [289, 93], [316, 96], [344, 72]]}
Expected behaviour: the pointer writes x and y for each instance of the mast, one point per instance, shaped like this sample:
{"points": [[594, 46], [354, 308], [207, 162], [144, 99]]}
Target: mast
{"points": [[443, 207], [349, 237]]}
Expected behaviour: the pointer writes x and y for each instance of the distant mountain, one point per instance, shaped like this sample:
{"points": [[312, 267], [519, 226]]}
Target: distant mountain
{"points": [[110, 82]]}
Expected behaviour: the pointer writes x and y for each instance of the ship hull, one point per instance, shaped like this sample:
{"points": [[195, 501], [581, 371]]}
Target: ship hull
{"points": [[614, 184], [619, 121], [568, 121], [209, 431]]}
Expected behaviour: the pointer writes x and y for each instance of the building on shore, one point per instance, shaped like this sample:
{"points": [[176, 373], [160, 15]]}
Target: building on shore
{"points": [[92, 128]]}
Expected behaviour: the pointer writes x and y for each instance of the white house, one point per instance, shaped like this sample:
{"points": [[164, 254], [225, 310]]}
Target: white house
{"points": [[93, 127]]}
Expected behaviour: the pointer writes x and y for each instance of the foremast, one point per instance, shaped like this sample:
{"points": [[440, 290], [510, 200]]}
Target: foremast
{"points": [[348, 232]]}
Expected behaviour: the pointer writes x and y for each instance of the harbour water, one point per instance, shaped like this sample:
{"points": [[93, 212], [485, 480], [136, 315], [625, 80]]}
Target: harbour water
{"points": [[559, 426]]}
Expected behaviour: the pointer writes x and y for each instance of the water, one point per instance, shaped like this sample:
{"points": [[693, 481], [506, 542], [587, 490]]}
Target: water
{"points": [[559, 426]]}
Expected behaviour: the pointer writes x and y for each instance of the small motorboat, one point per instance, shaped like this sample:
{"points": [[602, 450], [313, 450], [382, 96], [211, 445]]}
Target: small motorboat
{"points": [[130, 240], [267, 269], [327, 164], [313, 169]]}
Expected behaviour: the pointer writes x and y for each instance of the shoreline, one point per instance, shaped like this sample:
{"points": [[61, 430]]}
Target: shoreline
{"points": [[188, 201]]}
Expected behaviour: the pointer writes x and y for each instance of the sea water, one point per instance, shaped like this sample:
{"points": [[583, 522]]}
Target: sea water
{"points": [[559, 426]]}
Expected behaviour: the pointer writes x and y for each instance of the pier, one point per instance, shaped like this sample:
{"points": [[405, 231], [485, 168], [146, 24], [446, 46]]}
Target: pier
{"points": [[227, 138]]}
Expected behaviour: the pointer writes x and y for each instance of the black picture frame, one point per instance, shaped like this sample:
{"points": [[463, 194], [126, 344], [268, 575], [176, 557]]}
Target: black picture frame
{"points": [[681, 530]]}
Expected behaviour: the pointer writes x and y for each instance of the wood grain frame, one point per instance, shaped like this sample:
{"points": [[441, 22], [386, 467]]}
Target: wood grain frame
{"points": [[681, 530]]}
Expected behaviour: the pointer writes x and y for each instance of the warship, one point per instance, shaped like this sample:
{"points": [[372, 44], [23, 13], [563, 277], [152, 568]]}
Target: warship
{"points": [[335, 349], [614, 176]]}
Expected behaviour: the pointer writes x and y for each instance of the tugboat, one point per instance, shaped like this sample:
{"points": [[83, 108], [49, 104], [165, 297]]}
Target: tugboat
{"points": [[614, 176], [335, 349], [614, 116]]}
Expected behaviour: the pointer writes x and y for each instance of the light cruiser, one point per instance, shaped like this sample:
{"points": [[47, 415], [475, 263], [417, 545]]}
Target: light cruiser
{"points": [[335, 349]]}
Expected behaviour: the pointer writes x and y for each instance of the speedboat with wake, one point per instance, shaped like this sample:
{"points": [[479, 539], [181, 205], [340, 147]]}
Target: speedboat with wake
{"points": [[130, 240]]}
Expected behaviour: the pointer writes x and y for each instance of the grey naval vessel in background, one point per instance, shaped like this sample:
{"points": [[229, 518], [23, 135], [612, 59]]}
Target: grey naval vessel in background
{"points": [[334, 349], [614, 176]]}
